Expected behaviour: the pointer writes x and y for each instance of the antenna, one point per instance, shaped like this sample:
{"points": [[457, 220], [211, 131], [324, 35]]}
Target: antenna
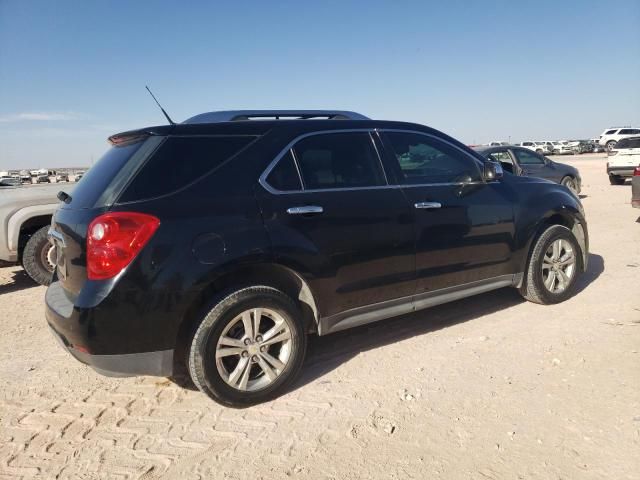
{"points": [[158, 103]]}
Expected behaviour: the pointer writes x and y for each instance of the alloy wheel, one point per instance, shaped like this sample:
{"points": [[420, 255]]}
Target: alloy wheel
{"points": [[254, 349], [558, 266]]}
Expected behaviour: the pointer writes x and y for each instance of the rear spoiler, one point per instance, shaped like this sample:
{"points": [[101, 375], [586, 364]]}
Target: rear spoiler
{"points": [[132, 136]]}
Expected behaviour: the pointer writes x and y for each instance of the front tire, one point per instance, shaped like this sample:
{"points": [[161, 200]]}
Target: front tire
{"points": [[38, 257], [611, 145], [554, 266], [249, 347]]}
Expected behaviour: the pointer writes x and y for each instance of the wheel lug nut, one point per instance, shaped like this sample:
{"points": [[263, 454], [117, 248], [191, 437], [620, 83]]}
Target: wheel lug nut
{"points": [[263, 349], [259, 338], [245, 354], [247, 341], [254, 358]]}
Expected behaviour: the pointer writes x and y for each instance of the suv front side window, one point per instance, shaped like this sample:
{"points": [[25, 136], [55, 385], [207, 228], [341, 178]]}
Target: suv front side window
{"points": [[423, 160], [338, 160]]}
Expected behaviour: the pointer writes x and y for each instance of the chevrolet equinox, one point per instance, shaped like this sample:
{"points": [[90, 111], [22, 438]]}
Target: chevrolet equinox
{"points": [[218, 244]]}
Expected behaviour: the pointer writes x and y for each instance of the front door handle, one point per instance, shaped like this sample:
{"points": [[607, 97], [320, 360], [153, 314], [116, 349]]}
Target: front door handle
{"points": [[304, 210], [428, 205]]}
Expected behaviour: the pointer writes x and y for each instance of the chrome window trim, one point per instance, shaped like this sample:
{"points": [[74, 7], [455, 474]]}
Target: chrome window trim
{"points": [[263, 178]]}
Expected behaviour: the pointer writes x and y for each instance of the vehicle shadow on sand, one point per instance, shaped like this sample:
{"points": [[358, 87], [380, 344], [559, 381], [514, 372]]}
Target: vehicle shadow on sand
{"points": [[16, 281], [329, 352]]}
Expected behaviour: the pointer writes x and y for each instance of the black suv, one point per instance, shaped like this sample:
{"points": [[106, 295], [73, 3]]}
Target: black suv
{"points": [[220, 243]]}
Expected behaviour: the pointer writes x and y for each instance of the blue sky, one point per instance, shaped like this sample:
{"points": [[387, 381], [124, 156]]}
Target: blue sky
{"points": [[73, 72]]}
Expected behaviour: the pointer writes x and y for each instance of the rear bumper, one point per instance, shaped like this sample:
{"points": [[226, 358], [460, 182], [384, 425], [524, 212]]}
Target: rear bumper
{"points": [[621, 171], [75, 330]]}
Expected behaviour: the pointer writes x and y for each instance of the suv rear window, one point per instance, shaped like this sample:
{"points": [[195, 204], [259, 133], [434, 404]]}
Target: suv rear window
{"points": [[180, 161], [98, 178]]}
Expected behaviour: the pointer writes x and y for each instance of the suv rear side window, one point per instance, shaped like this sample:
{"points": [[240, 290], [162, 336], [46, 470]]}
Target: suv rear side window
{"points": [[180, 161], [629, 131], [423, 159], [610, 132], [284, 176], [338, 160]]}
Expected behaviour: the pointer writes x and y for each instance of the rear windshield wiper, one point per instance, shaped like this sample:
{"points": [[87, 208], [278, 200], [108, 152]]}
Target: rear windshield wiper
{"points": [[64, 197]]}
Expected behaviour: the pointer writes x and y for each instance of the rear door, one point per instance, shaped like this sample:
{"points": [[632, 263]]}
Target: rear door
{"points": [[464, 226], [332, 217]]}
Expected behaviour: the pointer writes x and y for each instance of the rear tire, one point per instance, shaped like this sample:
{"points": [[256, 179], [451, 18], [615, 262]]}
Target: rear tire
{"points": [[37, 257], [239, 365], [616, 180], [611, 145], [558, 283]]}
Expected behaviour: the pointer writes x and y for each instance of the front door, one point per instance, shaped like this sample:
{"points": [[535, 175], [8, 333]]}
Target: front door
{"points": [[464, 226], [333, 218], [534, 165]]}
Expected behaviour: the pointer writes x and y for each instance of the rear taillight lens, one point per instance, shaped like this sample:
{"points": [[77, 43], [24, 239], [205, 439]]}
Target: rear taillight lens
{"points": [[113, 241], [636, 172]]}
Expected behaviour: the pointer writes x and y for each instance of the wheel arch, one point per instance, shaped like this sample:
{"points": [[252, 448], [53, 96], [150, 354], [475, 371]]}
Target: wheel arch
{"points": [[30, 226], [273, 275], [566, 218]]}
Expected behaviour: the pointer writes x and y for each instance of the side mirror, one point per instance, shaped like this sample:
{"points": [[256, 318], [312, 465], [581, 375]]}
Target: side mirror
{"points": [[492, 171]]}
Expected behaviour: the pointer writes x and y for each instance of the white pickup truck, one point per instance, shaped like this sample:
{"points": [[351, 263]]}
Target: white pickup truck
{"points": [[25, 216]]}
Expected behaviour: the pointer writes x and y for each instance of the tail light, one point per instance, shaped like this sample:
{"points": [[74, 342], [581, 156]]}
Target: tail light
{"points": [[113, 241], [636, 171]]}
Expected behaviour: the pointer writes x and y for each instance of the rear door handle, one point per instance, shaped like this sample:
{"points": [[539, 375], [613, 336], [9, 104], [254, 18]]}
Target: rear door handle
{"points": [[428, 205], [304, 210]]}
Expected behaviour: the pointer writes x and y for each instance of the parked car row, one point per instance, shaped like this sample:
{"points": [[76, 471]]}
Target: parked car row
{"points": [[559, 147]]}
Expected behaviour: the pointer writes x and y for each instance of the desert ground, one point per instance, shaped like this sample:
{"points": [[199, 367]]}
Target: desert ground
{"points": [[491, 387]]}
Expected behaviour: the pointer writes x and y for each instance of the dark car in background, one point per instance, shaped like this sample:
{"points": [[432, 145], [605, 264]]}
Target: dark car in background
{"points": [[220, 243], [524, 162]]}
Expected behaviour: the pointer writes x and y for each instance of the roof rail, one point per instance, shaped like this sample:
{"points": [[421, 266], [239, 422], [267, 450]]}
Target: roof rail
{"points": [[240, 115]]}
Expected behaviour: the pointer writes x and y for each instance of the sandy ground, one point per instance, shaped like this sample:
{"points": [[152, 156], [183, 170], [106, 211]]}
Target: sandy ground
{"points": [[490, 387]]}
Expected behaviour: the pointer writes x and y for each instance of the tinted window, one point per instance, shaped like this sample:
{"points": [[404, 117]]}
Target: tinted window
{"points": [[629, 131], [339, 160], [628, 143], [284, 175], [179, 161], [610, 132], [424, 159], [100, 175], [528, 158]]}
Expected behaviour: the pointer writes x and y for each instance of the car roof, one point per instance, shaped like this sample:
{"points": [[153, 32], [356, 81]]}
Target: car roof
{"points": [[261, 127]]}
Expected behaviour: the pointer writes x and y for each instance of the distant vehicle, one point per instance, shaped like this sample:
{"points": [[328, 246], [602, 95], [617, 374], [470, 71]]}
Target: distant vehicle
{"points": [[62, 177], [9, 181], [623, 159], [25, 176], [25, 215], [538, 147], [43, 179], [635, 188], [522, 161], [498, 144], [597, 148], [547, 147], [78, 176], [562, 148], [613, 135]]}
